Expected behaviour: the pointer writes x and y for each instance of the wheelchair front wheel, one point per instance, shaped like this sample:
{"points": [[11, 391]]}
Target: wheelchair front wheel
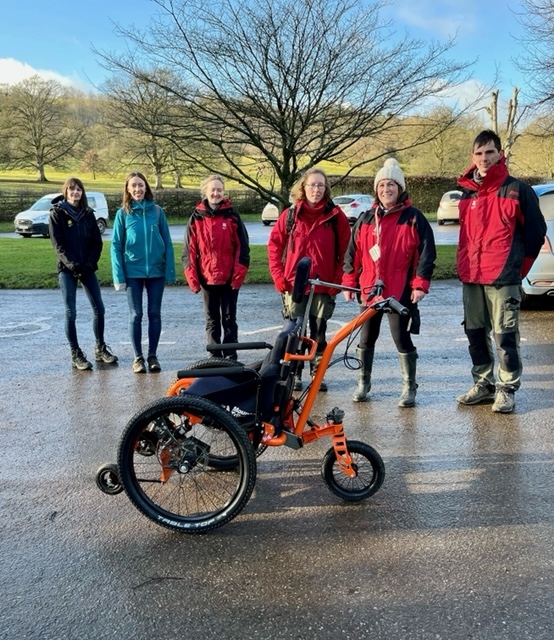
{"points": [[369, 467], [179, 487]]}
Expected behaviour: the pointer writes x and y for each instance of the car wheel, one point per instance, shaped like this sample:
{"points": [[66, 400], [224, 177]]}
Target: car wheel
{"points": [[527, 301], [440, 222], [101, 225], [266, 223]]}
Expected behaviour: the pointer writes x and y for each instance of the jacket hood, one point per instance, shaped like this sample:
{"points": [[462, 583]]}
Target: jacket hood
{"points": [[495, 176], [204, 209]]}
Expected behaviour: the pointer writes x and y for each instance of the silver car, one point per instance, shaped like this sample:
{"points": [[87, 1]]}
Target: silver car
{"points": [[540, 279]]}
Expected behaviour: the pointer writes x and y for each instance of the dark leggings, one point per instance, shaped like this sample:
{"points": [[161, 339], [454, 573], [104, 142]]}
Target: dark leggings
{"points": [[398, 327], [220, 309]]}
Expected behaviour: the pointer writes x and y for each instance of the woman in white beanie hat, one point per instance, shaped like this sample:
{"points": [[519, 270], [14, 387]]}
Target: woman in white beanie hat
{"points": [[392, 242]]}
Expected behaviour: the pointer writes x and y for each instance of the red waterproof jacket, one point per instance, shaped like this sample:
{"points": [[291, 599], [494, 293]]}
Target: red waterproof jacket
{"points": [[216, 249], [324, 241], [502, 228], [406, 247]]}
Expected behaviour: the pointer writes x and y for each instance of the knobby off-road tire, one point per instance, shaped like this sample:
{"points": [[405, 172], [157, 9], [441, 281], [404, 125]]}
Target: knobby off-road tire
{"points": [[215, 363], [178, 487], [370, 472]]}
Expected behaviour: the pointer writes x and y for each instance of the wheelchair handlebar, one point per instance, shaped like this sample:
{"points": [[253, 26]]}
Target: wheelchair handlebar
{"points": [[398, 308]]}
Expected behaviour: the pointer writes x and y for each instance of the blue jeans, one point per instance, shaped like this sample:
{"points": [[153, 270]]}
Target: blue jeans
{"points": [[154, 294], [68, 285]]}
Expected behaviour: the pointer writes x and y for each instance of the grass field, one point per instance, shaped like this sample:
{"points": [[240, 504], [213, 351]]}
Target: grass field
{"points": [[31, 264]]}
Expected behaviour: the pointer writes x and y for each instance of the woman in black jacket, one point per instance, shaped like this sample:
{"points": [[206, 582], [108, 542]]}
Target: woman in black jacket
{"points": [[78, 244]]}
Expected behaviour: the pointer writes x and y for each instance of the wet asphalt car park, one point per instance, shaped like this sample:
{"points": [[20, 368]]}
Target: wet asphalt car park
{"points": [[458, 542]]}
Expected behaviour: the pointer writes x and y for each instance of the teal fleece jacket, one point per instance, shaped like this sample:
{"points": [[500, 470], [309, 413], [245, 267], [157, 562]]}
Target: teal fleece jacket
{"points": [[141, 244]]}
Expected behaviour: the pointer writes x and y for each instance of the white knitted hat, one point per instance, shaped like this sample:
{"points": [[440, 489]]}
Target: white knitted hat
{"points": [[390, 170]]}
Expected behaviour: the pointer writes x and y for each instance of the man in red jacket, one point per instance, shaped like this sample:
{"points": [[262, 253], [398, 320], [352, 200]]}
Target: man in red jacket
{"points": [[502, 231]]}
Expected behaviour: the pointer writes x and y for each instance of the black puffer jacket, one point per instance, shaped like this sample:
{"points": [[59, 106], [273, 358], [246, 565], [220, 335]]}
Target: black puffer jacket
{"points": [[75, 237]]}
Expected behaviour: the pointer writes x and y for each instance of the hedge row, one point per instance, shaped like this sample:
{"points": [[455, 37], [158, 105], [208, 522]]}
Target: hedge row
{"points": [[425, 193]]}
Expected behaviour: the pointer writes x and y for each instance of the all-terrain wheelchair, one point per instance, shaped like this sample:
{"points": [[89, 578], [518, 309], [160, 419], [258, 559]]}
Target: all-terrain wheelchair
{"points": [[188, 461]]}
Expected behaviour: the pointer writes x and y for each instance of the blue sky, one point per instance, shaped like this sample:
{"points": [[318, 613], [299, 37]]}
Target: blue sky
{"points": [[55, 38]]}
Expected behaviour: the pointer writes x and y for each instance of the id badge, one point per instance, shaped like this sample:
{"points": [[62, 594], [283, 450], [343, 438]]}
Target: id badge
{"points": [[375, 252]]}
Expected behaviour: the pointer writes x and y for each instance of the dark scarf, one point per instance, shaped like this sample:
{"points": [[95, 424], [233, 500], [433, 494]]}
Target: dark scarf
{"points": [[76, 214]]}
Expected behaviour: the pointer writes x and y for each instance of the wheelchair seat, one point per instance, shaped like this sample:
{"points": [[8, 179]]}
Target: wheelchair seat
{"points": [[247, 394]]}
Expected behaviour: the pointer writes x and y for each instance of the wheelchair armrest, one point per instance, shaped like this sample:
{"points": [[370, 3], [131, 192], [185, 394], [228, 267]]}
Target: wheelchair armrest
{"points": [[238, 346]]}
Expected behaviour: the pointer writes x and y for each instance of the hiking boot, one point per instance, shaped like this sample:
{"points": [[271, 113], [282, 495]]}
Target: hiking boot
{"points": [[153, 364], [79, 360], [323, 388], [138, 365], [477, 394], [103, 354], [504, 401], [297, 383]]}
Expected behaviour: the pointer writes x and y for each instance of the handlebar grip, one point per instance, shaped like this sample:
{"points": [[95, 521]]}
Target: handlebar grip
{"points": [[398, 308]]}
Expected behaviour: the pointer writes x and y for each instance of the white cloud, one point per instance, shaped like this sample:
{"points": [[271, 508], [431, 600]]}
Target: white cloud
{"points": [[13, 71], [444, 18]]}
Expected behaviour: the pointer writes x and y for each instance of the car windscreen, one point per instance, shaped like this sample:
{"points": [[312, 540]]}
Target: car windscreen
{"points": [[343, 200], [455, 195], [44, 204]]}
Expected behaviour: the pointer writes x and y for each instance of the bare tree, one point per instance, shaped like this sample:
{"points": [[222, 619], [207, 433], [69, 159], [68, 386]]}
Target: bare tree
{"points": [[39, 128], [137, 113], [272, 88], [537, 18]]}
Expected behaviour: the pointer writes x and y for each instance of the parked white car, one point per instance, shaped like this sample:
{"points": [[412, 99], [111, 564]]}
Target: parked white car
{"points": [[34, 221], [539, 281], [270, 213], [354, 205], [448, 207]]}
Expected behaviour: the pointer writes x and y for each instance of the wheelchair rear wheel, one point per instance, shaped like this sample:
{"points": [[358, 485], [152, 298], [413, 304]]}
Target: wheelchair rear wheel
{"points": [[180, 485], [215, 363]]}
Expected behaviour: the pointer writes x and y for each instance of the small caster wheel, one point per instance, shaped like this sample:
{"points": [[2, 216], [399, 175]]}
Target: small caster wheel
{"points": [[107, 479]]}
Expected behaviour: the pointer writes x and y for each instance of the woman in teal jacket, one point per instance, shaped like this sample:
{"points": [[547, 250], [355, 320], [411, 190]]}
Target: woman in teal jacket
{"points": [[142, 258]]}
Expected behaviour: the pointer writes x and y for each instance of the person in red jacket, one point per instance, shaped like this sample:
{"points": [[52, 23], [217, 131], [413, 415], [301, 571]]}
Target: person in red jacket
{"points": [[319, 230], [216, 257], [502, 231], [392, 242]]}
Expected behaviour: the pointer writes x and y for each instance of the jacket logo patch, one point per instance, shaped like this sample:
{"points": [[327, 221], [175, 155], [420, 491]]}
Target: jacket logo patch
{"points": [[224, 225], [512, 192]]}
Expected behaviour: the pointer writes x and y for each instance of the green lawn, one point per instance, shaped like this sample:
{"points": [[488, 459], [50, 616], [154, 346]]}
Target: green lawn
{"points": [[30, 263]]}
